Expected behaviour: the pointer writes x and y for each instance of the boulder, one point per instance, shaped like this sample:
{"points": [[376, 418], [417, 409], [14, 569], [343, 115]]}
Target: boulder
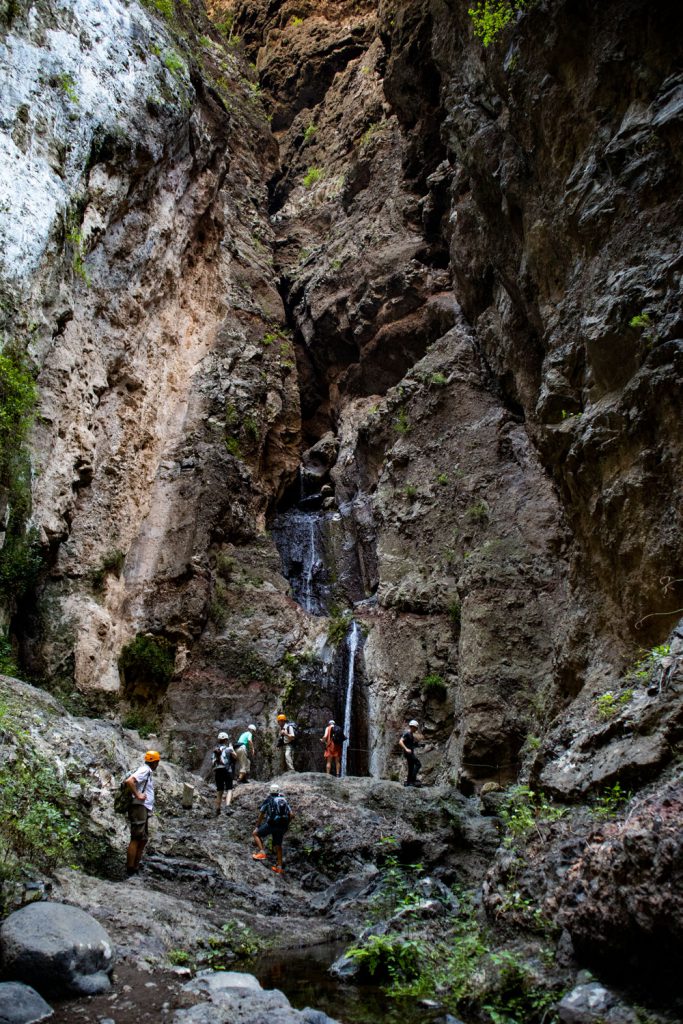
{"points": [[59, 949], [238, 998], [594, 1004], [21, 1004]]}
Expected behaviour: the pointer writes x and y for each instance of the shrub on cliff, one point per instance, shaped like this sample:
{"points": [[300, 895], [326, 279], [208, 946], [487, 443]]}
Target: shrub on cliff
{"points": [[149, 658], [490, 17]]}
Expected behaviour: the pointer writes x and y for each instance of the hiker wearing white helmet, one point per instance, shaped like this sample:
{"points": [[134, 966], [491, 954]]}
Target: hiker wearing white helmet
{"points": [[223, 760], [244, 749], [407, 743], [273, 820]]}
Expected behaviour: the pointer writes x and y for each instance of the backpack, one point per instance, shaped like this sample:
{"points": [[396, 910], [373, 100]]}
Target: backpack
{"points": [[338, 735], [292, 731], [222, 757], [279, 812], [123, 799]]}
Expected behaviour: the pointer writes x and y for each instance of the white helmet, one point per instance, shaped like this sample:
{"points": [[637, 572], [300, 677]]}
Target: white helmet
{"points": [[223, 736], [251, 728], [412, 723], [274, 788]]}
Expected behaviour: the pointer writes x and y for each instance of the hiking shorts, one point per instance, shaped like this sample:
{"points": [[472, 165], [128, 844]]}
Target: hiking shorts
{"points": [[224, 779], [138, 817], [243, 762], [265, 830]]}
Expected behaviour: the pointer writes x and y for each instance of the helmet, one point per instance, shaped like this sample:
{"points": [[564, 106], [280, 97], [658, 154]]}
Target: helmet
{"points": [[331, 721], [223, 736], [413, 723], [152, 755], [282, 718], [251, 728], [274, 788]]}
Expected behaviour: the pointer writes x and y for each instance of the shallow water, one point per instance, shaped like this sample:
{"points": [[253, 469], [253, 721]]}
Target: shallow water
{"points": [[303, 977]]}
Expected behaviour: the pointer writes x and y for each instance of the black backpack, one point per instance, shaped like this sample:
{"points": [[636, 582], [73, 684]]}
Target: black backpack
{"points": [[279, 812], [338, 735]]}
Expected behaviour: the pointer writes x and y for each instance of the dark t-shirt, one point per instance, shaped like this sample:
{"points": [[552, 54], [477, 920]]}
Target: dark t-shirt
{"points": [[409, 740]]}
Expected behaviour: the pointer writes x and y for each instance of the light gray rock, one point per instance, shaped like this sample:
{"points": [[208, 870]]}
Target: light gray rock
{"points": [[60, 950], [21, 1004], [594, 1004]]}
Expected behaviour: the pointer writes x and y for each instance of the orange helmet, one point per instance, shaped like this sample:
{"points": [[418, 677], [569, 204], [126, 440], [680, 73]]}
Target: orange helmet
{"points": [[152, 755], [282, 718]]}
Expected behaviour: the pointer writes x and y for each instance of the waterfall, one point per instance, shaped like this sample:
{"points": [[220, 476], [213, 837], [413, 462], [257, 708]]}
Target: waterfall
{"points": [[300, 538], [352, 647]]}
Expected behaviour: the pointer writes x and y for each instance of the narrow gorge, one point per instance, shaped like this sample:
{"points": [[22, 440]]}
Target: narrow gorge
{"points": [[340, 376]]}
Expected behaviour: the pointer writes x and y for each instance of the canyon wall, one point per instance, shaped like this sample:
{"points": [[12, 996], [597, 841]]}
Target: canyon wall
{"points": [[443, 277]]}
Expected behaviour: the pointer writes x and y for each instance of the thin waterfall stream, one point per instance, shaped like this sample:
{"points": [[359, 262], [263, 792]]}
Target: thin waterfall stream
{"points": [[352, 647]]}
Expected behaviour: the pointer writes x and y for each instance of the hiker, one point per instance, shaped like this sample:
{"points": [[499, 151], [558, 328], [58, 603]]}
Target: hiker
{"points": [[407, 743], [287, 740], [141, 785], [223, 759], [244, 750], [333, 738], [273, 820]]}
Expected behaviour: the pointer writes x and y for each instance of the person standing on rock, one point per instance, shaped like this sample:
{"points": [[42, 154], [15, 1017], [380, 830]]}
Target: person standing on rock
{"points": [[223, 759], [407, 743], [244, 750], [141, 785], [287, 740], [273, 820], [333, 738]]}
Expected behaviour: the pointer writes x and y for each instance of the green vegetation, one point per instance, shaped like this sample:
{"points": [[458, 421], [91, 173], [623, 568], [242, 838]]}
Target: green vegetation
{"points": [[609, 704], [312, 175], [610, 801], [382, 956], [434, 686], [410, 491], [369, 134], [68, 86], [74, 237], [143, 723], [166, 8], [338, 627], [401, 422], [478, 513], [20, 557], [438, 379], [524, 810], [641, 321], [442, 479], [218, 605], [173, 62], [8, 664], [38, 827], [296, 21], [179, 958], [309, 132], [111, 564], [650, 660], [490, 17], [150, 658], [233, 447], [455, 612]]}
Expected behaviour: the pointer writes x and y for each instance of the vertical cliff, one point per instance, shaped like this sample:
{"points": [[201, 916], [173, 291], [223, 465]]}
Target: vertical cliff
{"points": [[441, 278]]}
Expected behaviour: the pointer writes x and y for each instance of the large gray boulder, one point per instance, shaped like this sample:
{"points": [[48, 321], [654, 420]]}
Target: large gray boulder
{"points": [[59, 950], [237, 998], [20, 1004]]}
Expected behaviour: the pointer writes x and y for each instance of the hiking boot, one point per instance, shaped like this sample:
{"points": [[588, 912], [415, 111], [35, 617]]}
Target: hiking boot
{"points": [[277, 870], [131, 872], [229, 810], [258, 856]]}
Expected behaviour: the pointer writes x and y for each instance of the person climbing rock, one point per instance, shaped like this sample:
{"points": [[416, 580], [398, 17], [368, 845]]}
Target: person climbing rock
{"points": [[288, 737], [333, 738], [223, 760], [141, 785], [244, 750], [273, 820], [407, 743]]}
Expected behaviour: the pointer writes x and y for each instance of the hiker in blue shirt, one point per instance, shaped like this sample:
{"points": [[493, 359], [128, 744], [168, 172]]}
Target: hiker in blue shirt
{"points": [[244, 750]]}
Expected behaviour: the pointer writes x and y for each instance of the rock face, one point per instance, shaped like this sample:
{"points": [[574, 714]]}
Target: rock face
{"points": [[60, 950]]}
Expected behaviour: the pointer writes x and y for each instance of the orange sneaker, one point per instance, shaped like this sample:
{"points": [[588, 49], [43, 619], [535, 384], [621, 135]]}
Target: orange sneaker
{"points": [[277, 870], [258, 856]]}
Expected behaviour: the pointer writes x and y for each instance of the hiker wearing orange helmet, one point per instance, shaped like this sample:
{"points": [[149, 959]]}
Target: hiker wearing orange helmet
{"points": [[141, 785], [286, 740]]}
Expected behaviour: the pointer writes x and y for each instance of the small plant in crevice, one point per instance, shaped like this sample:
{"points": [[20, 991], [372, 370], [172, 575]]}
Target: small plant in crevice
{"points": [[478, 512], [455, 612], [608, 704], [524, 810], [650, 661], [111, 564], [148, 657], [67, 84], [434, 687], [641, 321], [610, 801], [141, 721], [312, 175], [402, 422], [410, 491], [309, 132], [340, 622], [442, 479], [490, 17], [438, 379]]}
